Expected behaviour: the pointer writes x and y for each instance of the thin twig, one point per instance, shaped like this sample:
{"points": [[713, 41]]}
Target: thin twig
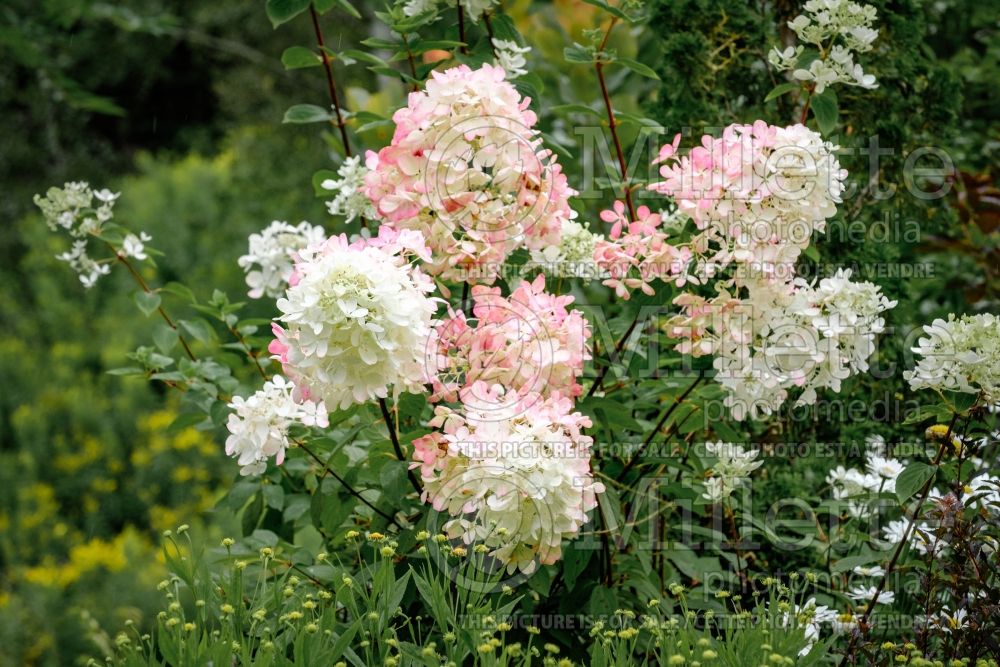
{"points": [[461, 27], [250, 353], [145, 288], [331, 84], [618, 349], [354, 492], [613, 124], [659, 425], [390, 425]]}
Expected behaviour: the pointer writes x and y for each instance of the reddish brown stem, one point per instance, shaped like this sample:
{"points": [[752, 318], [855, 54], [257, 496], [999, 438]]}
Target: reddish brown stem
{"points": [[612, 123], [461, 26], [145, 288], [331, 83]]}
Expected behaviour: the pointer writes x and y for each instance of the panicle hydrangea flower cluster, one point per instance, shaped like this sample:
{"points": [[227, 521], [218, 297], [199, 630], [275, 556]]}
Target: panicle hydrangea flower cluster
{"points": [[573, 257], [756, 195], [529, 342], [350, 200], [258, 426], [838, 29], [637, 253], [272, 253], [83, 212], [782, 336], [508, 460], [733, 467], [467, 169], [960, 354], [356, 318], [517, 481]]}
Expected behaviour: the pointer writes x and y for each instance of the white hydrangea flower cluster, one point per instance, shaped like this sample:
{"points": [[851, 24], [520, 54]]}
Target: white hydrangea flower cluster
{"points": [[960, 354], [271, 256], [350, 200], [783, 336], [83, 212], [734, 465], [258, 426], [357, 319], [519, 485], [573, 257], [510, 57], [822, 25]]}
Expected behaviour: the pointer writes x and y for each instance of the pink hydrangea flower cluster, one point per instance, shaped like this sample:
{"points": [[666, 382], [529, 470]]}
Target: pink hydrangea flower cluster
{"points": [[517, 480], [756, 195], [529, 342], [467, 169], [636, 253], [508, 460]]}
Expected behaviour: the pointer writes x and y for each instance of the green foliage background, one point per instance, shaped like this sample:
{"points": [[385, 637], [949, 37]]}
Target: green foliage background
{"points": [[178, 104]]}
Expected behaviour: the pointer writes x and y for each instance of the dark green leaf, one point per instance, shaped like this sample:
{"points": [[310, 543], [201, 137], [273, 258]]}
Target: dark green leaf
{"points": [[282, 11], [824, 109], [307, 113], [614, 11], [297, 57], [781, 89], [913, 479]]}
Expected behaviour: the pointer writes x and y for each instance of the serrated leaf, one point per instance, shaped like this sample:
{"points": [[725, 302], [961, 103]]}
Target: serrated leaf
{"points": [[912, 479], [781, 89], [147, 302], [638, 67], [297, 57], [282, 11], [824, 109], [307, 113]]}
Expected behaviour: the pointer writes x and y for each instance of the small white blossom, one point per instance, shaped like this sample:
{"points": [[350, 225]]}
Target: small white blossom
{"points": [[510, 56], [259, 424], [271, 256], [350, 200], [733, 467], [135, 246]]}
